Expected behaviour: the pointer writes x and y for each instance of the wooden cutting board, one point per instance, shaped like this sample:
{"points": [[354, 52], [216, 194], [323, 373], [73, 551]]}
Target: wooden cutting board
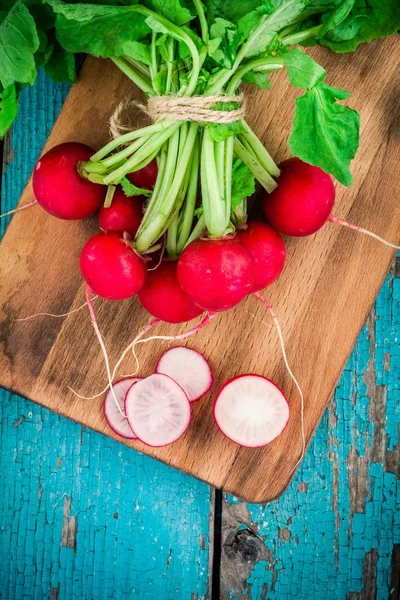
{"points": [[322, 299]]}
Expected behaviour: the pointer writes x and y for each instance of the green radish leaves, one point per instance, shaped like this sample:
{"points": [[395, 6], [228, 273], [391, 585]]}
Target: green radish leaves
{"points": [[326, 133], [243, 183], [303, 71], [105, 31], [8, 108], [131, 190], [18, 43]]}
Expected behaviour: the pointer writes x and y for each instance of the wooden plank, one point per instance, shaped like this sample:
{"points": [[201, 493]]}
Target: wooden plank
{"points": [[331, 278], [335, 533], [82, 516]]}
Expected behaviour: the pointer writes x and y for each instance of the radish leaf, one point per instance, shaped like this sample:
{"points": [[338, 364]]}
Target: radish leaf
{"points": [[8, 108], [303, 71], [18, 44], [326, 133]]}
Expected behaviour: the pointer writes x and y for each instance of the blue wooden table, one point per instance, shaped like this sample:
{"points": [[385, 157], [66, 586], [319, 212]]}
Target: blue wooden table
{"points": [[83, 517]]}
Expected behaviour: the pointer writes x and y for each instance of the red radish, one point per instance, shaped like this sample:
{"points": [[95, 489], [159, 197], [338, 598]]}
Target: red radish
{"points": [[111, 267], [145, 178], [216, 274], [162, 296], [303, 201], [251, 410], [188, 368], [268, 251], [114, 413], [124, 214], [158, 410], [58, 186]]}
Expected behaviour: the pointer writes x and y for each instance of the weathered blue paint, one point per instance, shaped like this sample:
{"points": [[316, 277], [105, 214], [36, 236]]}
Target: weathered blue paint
{"points": [[142, 528], [332, 534]]}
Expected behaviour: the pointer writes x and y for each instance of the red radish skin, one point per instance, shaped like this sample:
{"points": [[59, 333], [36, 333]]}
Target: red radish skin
{"points": [[251, 410], [145, 178], [303, 200], [268, 251], [124, 215], [58, 186], [216, 274], [113, 413], [111, 267], [158, 410], [189, 368], [162, 296]]}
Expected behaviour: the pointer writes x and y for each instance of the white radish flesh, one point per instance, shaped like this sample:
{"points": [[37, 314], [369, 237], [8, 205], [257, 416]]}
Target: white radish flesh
{"points": [[251, 410], [158, 410], [188, 368], [114, 415]]}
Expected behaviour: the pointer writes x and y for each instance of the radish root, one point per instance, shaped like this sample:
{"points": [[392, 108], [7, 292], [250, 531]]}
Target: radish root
{"points": [[44, 314], [115, 370], [19, 208], [338, 221], [267, 305], [103, 348]]}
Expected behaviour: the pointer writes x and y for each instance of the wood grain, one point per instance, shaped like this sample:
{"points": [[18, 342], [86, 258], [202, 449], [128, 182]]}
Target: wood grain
{"points": [[322, 299]]}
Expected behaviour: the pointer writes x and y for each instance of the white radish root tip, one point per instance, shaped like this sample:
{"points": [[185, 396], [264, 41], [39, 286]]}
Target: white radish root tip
{"points": [[267, 305], [338, 221], [19, 208]]}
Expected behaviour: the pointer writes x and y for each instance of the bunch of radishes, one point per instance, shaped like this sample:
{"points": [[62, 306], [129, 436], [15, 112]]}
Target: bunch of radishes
{"points": [[210, 275], [249, 409]]}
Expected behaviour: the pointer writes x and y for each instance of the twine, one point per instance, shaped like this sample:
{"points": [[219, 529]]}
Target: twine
{"points": [[193, 108]]}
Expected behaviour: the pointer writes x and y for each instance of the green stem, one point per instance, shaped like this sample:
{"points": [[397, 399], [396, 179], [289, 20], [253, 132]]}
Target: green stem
{"points": [[154, 66], [199, 6], [260, 174], [228, 176], [271, 64], [147, 236], [179, 34], [153, 144], [133, 76], [130, 136], [190, 202], [170, 64], [198, 230], [109, 196], [139, 67], [301, 36], [220, 166], [114, 159], [265, 159], [172, 235], [214, 209]]}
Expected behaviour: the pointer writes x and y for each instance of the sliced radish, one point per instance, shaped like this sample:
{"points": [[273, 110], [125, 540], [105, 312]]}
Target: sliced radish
{"points": [[114, 417], [158, 410], [251, 410], [188, 368]]}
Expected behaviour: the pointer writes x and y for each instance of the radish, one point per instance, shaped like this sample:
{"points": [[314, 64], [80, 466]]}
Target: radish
{"points": [[251, 410], [303, 202], [111, 267], [58, 186], [268, 251], [188, 368], [145, 178], [216, 274], [124, 214], [114, 412], [158, 410], [162, 296]]}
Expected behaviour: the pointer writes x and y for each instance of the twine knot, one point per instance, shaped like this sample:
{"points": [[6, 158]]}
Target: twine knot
{"points": [[201, 109]]}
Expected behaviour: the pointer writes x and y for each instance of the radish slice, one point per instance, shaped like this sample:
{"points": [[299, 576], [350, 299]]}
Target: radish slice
{"points": [[188, 368], [158, 410], [118, 423], [251, 410]]}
